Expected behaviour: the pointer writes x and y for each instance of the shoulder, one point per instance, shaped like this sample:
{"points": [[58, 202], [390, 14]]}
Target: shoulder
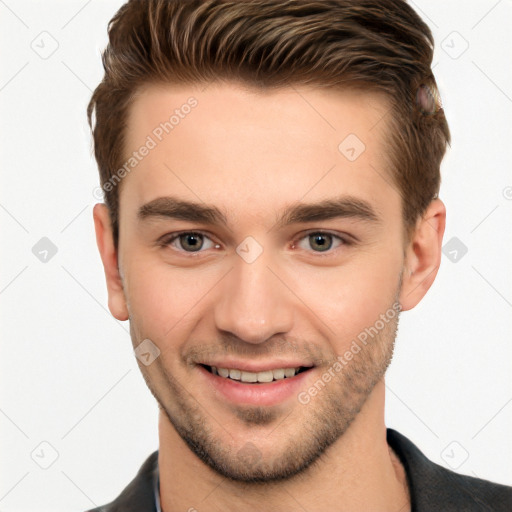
{"points": [[139, 494], [433, 487]]}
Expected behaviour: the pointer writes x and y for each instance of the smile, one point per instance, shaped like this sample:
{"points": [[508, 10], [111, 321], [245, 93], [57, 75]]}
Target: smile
{"points": [[265, 387], [256, 377]]}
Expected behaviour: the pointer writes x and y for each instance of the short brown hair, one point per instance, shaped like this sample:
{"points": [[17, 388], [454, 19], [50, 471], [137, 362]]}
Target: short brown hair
{"points": [[374, 45]]}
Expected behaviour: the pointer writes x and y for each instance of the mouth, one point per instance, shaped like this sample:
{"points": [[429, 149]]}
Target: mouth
{"points": [[267, 384], [262, 377]]}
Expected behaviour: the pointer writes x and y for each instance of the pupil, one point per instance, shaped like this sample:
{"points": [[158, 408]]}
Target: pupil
{"points": [[191, 241], [318, 241]]}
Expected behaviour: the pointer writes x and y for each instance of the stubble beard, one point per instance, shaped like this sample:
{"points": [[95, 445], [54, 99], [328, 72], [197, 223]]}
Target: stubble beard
{"points": [[309, 430]]}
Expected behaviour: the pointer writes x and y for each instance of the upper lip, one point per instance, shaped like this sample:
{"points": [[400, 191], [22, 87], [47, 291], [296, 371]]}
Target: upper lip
{"points": [[257, 366]]}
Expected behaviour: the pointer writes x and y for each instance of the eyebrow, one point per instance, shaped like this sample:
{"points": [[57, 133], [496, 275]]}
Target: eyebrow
{"points": [[182, 210], [340, 207]]}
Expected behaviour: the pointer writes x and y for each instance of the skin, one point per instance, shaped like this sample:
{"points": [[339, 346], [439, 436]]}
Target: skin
{"points": [[252, 155]]}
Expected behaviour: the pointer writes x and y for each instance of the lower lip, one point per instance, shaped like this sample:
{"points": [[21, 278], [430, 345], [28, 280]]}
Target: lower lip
{"points": [[267, 393]]}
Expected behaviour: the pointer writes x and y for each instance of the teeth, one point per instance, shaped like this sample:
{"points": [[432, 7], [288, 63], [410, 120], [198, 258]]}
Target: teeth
{"points": [[289, 372], [279, 374], [249, 377], [266, 376], [235, 374]]}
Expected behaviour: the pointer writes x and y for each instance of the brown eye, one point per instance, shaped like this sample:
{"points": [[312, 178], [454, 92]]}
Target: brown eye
{"points": [[191, 242], [320, 241], [188, 241]]}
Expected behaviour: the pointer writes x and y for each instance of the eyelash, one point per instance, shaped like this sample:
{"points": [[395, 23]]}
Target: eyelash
{"points": [[167, 240]]}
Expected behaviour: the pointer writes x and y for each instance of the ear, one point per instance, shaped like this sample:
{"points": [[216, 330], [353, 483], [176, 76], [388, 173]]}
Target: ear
{"points": [[109, 257], [423, 255]]}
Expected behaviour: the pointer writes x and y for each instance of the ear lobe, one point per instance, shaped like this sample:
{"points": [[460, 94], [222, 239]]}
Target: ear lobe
{"points": [[423, 255], [109, 257]]}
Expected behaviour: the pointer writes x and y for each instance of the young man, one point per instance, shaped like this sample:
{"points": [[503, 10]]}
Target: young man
{"points": [[271, 172]]}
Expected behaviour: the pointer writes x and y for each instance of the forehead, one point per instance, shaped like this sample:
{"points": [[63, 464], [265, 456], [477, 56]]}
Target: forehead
{"points": [[249, 150]]}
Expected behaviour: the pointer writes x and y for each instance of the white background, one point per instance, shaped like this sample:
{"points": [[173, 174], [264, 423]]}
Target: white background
{"points": [[68, 375]]}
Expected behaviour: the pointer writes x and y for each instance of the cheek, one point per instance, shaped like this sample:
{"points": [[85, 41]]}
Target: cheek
{"points": [[163, 299], [351, 297]]}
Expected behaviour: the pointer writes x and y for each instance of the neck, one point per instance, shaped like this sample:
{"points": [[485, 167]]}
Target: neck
{"points": [[358, 472]]}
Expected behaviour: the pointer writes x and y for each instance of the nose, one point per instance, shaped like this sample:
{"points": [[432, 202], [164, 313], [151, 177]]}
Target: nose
{"points": [[253, 304]]}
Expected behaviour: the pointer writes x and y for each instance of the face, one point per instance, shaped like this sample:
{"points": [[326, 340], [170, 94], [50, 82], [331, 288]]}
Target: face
{"points": [[254, 245]]}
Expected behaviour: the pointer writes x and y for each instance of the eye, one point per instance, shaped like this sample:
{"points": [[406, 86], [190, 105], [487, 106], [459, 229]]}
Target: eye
{"points": [[190, 241], [321, 241]]}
